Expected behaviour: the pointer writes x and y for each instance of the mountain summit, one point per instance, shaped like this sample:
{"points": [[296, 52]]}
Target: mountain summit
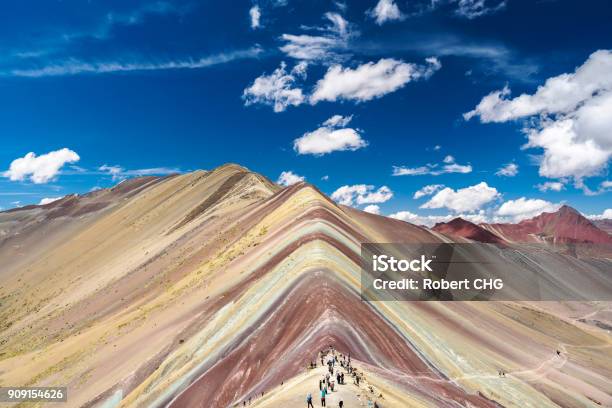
{"points": [[566, 225]]}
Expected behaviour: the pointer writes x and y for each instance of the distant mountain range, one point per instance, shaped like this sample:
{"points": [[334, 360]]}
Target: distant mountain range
{"points": [[564, 226]]}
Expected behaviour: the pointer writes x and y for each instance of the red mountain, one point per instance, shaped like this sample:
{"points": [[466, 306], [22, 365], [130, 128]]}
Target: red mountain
{"points": [[466, 229], [563, 226]]}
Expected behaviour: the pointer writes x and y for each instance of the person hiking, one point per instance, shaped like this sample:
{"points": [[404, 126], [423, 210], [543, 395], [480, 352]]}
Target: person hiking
{"points": [[309, 401], [323, 394]]}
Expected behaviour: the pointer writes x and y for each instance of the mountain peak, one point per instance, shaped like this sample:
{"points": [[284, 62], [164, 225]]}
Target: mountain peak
{"points": [[566, 209], [233, 166], [565, 214], [467, 229]]}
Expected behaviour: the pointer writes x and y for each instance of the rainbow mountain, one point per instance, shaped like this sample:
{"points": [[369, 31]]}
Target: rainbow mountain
{"points": [[217, 288]]}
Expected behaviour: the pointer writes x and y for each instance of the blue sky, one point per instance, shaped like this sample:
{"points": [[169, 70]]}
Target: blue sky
{"points": [[151, 87]]}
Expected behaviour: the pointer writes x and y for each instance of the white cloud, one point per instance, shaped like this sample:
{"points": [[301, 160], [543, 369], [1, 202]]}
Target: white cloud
{"points": [[410, 217], [606, 215], [550, 186], [560, 94], [40, 169], [152, 171], [288, 178], [367, 81], [430, 220], [320, 48], [361, 194], [476, 218], [255, 14], [115, 171], [571, 121], [471, 9], [454, 168], [410, 171], [76, 67], [427, 190], [330, 137], [467, 199], [309, 47], [604, 187], [338, 121], [372, 209], [299, 69], [509, 170], [568, 153], [48, 200], [277, 88], [370, 80], [119, 173], [433, 169], [341, 5], [385, 10], [383, 194], [339, 24], [524, 208], [325, 177]]}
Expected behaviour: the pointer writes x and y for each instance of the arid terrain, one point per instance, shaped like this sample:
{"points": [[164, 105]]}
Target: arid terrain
{"points": [[209, 288]]}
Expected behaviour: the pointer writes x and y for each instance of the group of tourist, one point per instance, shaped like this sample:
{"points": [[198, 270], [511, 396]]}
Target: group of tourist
{"points": [[337, 365], [335, 362]]}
